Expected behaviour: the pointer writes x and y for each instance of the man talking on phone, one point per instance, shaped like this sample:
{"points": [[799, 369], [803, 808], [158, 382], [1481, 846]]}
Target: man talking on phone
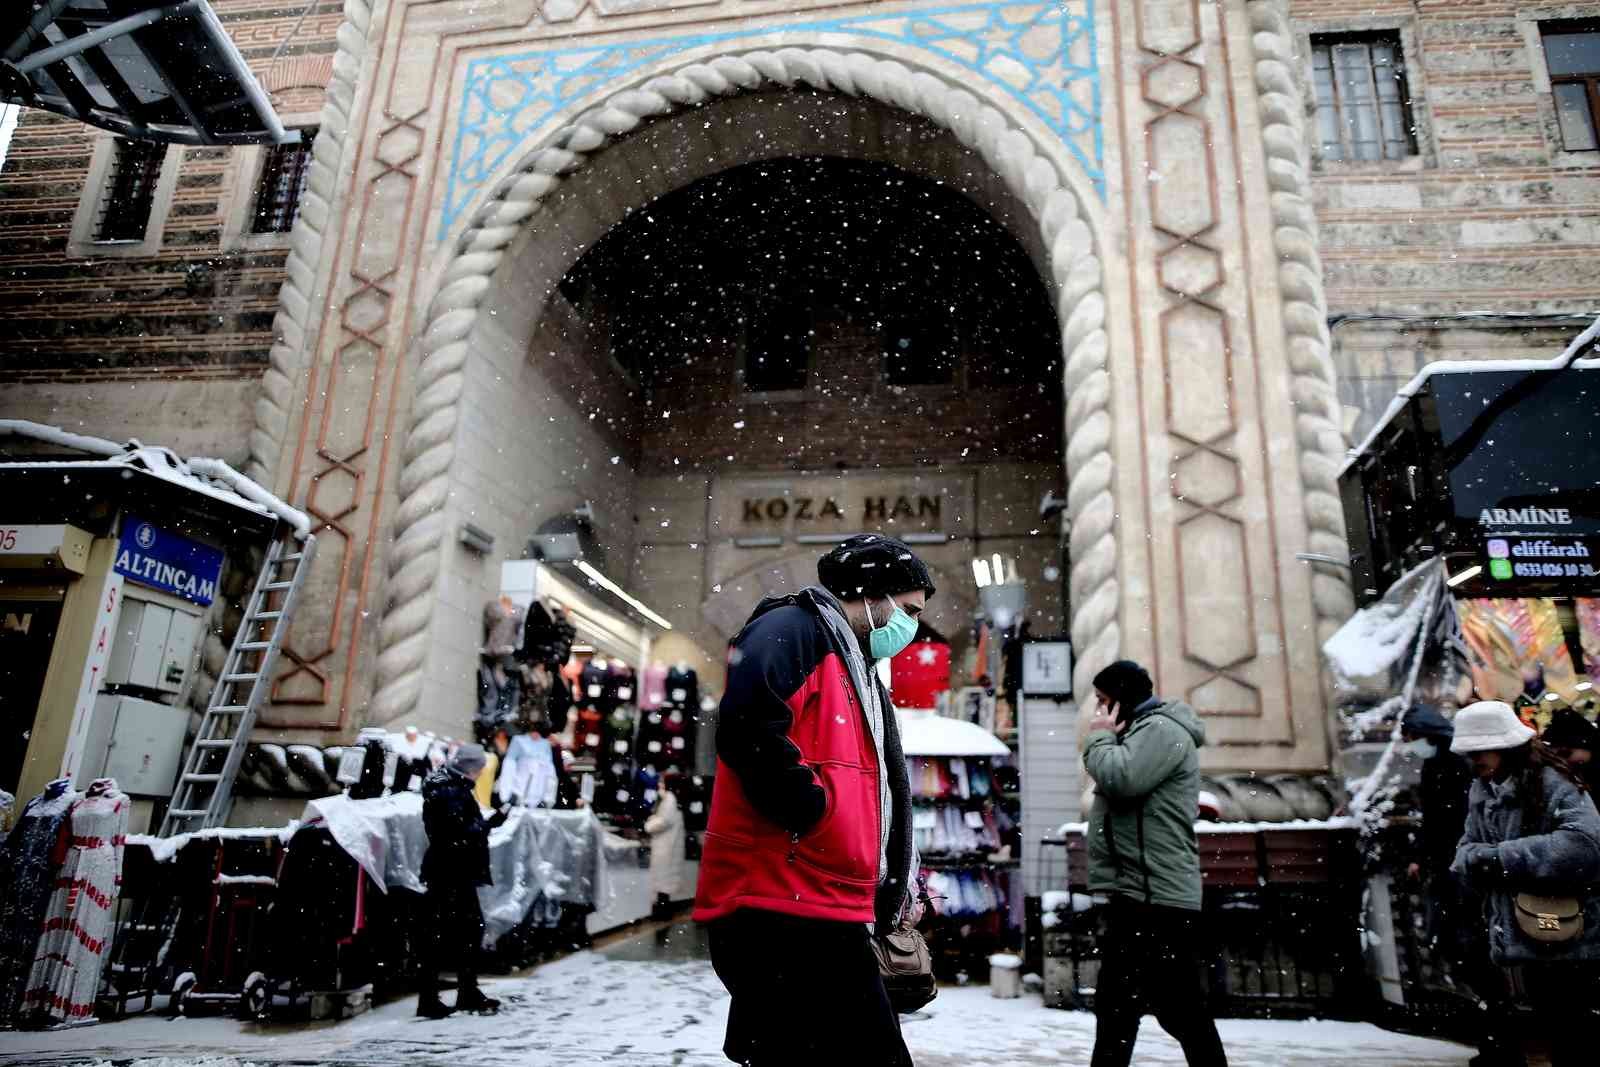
{"points": [[1144, 756]]}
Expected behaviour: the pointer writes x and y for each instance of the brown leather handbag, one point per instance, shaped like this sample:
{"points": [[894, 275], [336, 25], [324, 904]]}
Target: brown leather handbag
{"points": [[1550, 920], [907, 968]]}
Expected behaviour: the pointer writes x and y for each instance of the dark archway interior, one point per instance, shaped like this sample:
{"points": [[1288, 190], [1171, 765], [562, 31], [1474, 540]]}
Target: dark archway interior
{"points": [[845, 313]]}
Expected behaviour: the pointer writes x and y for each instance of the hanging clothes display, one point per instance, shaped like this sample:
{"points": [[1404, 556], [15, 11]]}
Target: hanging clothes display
{"points": [[528, 774], [558, 703], [683, 687], [653, 686], [617, 794], [29, 858], [547, 636], [534, 709], [592, 686], [65, 978], [620, 687]]}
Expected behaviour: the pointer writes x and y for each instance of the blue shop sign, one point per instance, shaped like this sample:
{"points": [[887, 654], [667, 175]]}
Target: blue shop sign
{"points": [[163, 560]]}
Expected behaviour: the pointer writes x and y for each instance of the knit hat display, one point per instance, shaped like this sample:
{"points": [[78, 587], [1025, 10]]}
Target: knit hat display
{"points": [[1489, 725], [469, 758], [1125, 682], [872, 565], [1569, 729]]}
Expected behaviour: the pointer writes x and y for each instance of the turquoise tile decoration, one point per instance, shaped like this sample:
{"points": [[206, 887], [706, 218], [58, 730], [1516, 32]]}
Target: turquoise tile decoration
{"points": [[1043, 55]]}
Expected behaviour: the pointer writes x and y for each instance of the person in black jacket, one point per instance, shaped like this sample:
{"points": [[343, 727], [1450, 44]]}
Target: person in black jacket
{"points": [[1577, 741], [455, 865], [1442, 793], [809, 847], [1453, 935]]}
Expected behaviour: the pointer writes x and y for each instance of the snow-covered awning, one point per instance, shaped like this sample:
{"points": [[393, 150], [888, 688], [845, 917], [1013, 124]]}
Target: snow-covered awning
{"points": [[161, 70], [924, 733], [135, 467]]}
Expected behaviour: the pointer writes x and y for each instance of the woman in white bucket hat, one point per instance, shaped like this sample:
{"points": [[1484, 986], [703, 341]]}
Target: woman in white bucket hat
{"points": [[1532, 828]]}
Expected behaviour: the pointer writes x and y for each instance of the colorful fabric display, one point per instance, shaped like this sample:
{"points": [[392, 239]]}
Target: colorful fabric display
{"points": [[29, 857], [78, 924], [653, 687], [683, 688], [945, 828], [965, 894]]}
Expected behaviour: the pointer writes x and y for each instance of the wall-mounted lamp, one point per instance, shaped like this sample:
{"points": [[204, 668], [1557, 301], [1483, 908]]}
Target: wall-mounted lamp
{"points": [[1456, 579], [476, 538]]}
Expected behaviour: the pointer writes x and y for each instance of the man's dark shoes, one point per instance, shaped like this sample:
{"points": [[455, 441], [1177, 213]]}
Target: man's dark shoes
{"points": [[433, 1008], [474, 1000]]}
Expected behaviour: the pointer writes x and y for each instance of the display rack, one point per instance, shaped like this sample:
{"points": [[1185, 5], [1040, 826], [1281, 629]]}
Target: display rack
{"points": [[967, 823]]}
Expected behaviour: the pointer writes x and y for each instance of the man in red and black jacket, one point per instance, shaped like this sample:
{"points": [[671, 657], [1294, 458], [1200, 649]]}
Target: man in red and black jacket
{"points": [[809, 845]]}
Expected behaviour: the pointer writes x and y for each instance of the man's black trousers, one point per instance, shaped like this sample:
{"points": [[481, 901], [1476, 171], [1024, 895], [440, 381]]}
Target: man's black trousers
{"points": [[804, 991], [453, 937], [1150, 963]]}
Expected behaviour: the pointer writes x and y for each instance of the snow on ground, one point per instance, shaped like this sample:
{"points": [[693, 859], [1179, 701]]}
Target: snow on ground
{"points": [[648, 1002]]}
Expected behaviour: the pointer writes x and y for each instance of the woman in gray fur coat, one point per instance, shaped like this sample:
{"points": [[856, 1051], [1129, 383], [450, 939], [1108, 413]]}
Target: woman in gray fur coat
{"points": [[1532, 827]]}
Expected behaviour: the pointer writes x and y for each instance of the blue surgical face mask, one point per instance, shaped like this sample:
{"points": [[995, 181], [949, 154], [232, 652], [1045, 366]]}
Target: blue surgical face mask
{"points": [[1422, 748], [894, 635]]}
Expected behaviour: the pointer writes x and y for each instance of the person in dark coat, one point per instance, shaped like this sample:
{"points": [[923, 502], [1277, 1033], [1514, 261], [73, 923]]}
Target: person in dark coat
{"points": [[455, 865], [809, 847], [1532, 828], [1445, 778], [1577, 741], [1442, 792]]}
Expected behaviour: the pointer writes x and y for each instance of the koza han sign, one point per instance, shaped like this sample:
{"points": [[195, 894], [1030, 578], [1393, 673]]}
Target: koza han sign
{"points": [[163, 560]]}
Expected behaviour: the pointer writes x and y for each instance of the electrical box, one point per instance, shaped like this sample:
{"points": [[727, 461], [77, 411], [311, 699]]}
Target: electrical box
{"points": [[154, 647], [137, 742]]}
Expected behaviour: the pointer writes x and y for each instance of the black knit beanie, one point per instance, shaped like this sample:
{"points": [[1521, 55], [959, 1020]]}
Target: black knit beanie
{"points": [[1125, 682], [872, 565], [1569, 729]]}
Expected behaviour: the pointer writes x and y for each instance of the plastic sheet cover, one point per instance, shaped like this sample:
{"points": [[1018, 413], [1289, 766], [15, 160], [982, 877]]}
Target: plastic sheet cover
{"points": [[537, 858]]}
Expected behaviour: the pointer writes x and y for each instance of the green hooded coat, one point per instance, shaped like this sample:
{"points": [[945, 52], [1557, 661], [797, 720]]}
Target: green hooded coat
{"points": [[1147, 794]]}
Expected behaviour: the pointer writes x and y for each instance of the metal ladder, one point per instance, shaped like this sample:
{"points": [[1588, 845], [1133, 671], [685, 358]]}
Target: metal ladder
{"points": [[205, 788]]}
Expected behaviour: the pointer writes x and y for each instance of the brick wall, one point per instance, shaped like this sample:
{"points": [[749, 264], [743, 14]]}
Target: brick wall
{"points": [[190, 304], [702, 418], [1486, 244]]}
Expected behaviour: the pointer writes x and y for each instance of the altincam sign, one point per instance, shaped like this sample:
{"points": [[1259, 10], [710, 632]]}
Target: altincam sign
{"points": [[163, 560]]}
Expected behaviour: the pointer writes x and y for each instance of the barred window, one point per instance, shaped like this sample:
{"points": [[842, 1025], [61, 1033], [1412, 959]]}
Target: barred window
{"points": [[130, 190], [284, 170], [1572, 51], [1363, 105]]}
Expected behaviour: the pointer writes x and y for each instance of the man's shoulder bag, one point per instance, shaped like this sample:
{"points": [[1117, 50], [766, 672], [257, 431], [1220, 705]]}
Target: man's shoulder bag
{"points": [[907, 968]]}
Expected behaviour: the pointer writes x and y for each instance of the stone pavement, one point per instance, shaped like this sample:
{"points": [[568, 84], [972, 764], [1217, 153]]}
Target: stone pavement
{"points": [[653, 1000]]}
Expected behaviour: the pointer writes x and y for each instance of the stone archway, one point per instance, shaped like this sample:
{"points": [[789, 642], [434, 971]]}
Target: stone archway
{"points": [[1042, 179]]}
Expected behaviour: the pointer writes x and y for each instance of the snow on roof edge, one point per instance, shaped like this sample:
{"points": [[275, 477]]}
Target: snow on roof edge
{"points": [[1467, 366], [196, 474], [1336, 822]]}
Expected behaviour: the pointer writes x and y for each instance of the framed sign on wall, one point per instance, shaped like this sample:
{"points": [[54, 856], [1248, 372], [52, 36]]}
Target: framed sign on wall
{"points": [[1047, 668]]}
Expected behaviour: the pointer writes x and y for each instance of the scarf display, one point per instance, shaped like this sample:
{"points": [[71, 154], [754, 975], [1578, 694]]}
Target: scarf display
{"points": [[76, 934], [29, 857], [968, 894]]}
